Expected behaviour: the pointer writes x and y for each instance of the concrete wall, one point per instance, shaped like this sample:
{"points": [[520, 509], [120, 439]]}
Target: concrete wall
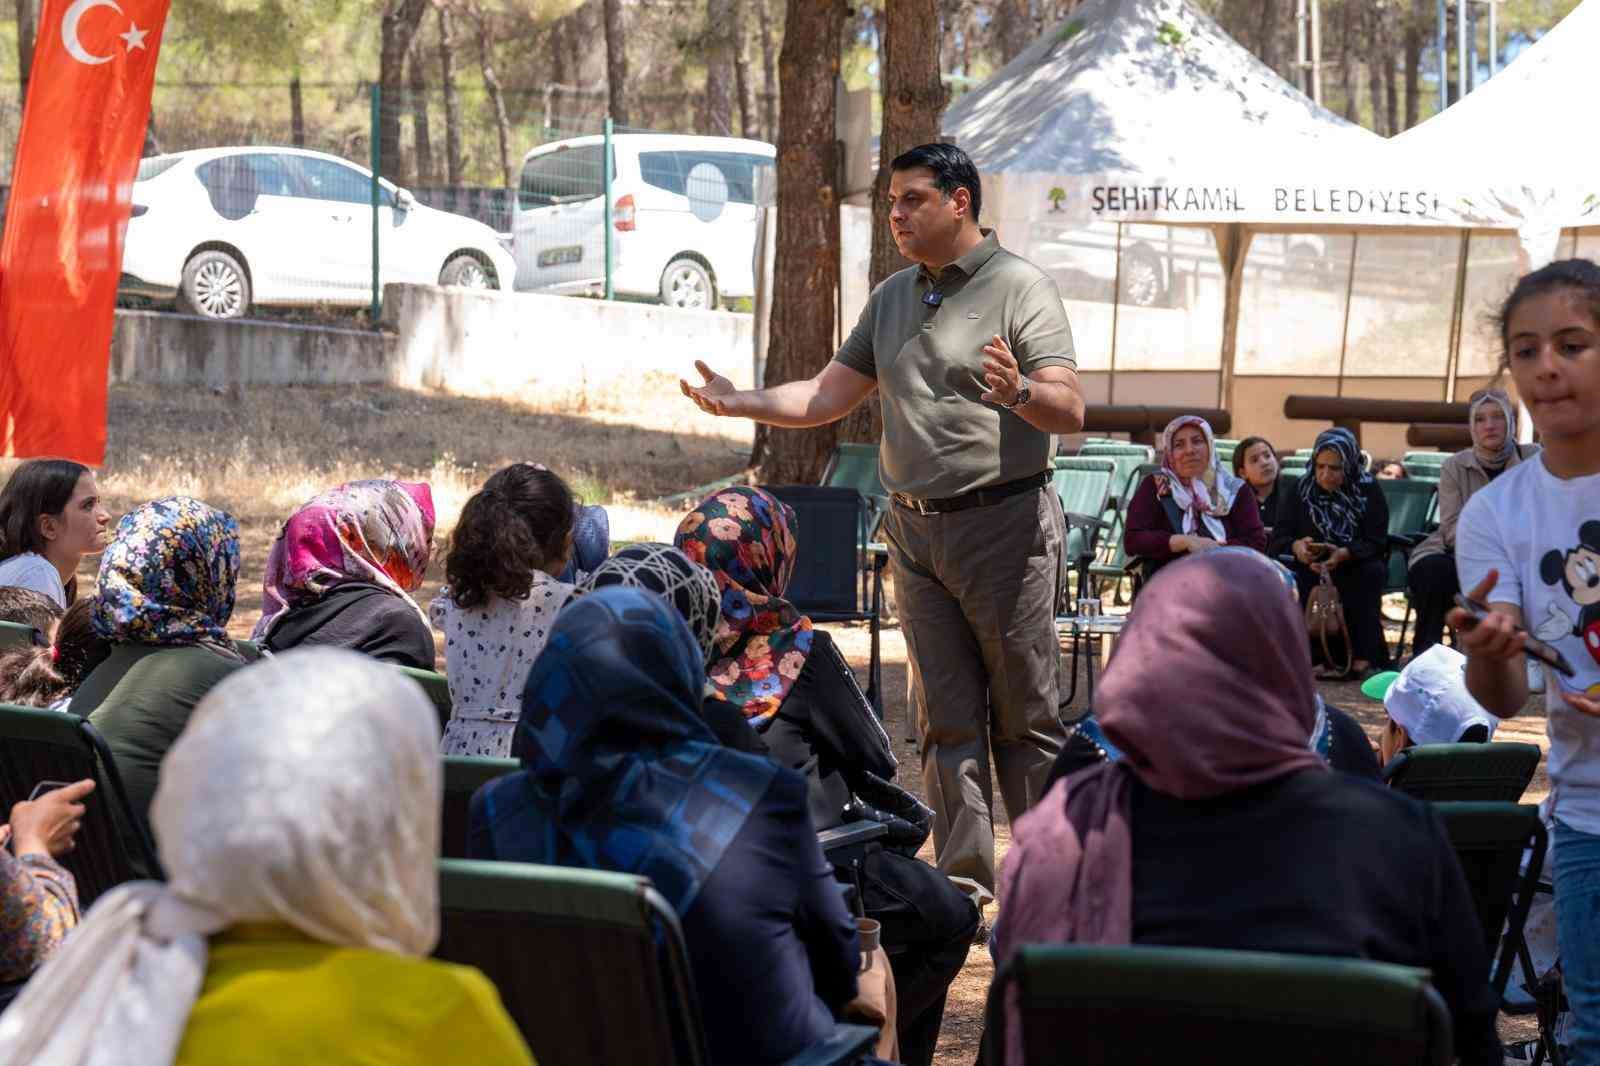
{"points": [[475, 344], [156, 348], [511, 344]]}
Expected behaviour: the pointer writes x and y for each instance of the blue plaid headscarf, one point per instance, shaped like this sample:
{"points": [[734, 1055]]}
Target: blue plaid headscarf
{"points": [[620, 772], [1338, 514], [591, 542]]}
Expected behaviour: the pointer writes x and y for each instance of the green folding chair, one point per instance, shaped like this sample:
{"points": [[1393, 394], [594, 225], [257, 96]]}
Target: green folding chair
{"points": [[248, 650], [1084, 486], [1126, 455], [1424, 464], [1492, 840], [1119, 1005], [1410, 502], [855, 466], [17, 635], [1497, 771], [437, 686], [1114, 564], [591, 965], [1225, 450], [112, 844], [1294, 466], [463, 776]]}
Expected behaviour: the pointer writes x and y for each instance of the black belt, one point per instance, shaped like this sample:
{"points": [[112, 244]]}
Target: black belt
{"points": [[975, 498]]}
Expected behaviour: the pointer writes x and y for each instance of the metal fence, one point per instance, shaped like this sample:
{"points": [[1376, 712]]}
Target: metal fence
{"points": [[307, 199]]}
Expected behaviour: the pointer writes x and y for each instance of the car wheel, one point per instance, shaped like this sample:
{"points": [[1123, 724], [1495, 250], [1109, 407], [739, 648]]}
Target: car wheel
{"points": [[467, 272], [686, 283], [214, 286], [1141, 278]]}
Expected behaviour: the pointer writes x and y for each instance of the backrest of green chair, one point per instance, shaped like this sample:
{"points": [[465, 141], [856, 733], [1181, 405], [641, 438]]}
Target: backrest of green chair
{"points": [[463, 776], [1084, 486], [38, 745], [1113, 554], [1294, 466], [437, 687], [1497, 771], [1490, 840], [855, 466], [16, 635], [1137, 1004], [1225, 450], [1127, 456], [1409, 502], [591, 965], [1423, 460]]}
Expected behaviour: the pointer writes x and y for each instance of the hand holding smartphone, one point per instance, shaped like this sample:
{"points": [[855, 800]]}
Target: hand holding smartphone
{"points": [[1533, 647]]}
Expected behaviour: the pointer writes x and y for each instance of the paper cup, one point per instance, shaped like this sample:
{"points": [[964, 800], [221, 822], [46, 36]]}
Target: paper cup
{"points": [[871, 933]]}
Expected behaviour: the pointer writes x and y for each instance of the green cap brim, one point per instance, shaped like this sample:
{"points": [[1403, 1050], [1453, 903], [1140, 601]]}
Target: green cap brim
{"points": [[1377, 686]]}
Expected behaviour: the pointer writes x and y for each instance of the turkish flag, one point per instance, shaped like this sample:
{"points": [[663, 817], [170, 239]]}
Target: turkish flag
{"points": [[83, 129]]}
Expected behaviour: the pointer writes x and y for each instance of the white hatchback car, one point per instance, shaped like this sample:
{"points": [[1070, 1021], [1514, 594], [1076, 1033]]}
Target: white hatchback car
{"points": [[683, 217], [224, 229]]}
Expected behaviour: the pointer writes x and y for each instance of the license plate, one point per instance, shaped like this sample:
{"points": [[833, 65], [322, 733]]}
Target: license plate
{"points": [[557, 256]]}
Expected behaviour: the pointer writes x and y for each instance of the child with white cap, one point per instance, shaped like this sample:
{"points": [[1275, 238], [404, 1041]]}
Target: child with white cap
{"points": [[1428, 703]]}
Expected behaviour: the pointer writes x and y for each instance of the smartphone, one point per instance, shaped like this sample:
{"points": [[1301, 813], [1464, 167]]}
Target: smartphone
{"points": [[1534, 648], [1319, 552], [46, 786]]}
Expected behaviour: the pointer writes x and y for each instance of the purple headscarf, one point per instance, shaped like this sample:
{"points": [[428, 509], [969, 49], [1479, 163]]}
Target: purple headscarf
{"points": [[1199, 708]]}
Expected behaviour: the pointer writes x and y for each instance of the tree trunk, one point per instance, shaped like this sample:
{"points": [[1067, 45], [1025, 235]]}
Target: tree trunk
{"points": [[297, 112], [1391, 101], [769, 71], [452, 103], [1377, 49], [497, 98], [1347, 62], [1016, 28], [616, 62], [397, 28], [24, 49], [913, 100], [749, 123], [421, 134], [716, 115], [806, 255], [1413, 51]]}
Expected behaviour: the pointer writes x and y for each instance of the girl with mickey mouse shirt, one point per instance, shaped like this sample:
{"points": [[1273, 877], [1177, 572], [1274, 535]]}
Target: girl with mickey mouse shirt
{"points": [[1529, 547]]}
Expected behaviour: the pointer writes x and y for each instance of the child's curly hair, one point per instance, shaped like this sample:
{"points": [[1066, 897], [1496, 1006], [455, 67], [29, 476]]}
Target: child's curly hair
{"points": [[519, 522]]}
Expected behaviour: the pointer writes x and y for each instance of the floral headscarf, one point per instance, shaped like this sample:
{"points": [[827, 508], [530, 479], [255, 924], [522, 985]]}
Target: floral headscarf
{"points": [[746, 537], [366, 532], [1338, 514], [168, 575], [1207, 499]]}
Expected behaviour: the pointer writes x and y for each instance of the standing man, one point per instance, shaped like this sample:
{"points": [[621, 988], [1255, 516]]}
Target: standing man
{"points": [[972, 355]]}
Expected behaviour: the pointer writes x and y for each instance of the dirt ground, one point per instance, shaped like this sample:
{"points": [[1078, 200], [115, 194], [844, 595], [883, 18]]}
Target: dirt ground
{"points": [[261, 452]]}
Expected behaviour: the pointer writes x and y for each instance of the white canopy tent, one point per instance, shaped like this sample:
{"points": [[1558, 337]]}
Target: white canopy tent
{"points": [[1217, 236]]}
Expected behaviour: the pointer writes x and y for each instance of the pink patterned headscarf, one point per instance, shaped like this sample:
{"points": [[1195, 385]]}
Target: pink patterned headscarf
{"points": [[367, 532], [1199, 709]]}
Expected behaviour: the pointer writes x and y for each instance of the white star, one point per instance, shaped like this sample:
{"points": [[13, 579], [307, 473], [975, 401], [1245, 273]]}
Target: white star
{"points": [[135, 36]]}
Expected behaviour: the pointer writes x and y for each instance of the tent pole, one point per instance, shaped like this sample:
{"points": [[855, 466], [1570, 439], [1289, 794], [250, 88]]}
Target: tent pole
{"points": [[1316, 53], [1458, 310], [1116, 305], [1443, 45], [1494, 65], [1349, 287], [1233, 244], [1461, 48]]}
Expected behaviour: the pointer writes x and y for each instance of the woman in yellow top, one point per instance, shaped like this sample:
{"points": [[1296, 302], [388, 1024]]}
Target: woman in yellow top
{"points": [[298, 817]]}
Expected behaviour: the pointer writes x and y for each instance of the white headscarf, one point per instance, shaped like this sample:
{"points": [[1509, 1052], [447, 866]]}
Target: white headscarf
{"points": [[1208, 498], [305, 791]]}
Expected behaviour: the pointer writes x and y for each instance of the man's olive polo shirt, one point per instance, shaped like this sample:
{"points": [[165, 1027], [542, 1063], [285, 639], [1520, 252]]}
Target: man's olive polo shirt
{"points": [[939, 438]]}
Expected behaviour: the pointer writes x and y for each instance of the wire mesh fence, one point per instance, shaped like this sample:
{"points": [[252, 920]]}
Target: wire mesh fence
{"points": [[310, 197]]}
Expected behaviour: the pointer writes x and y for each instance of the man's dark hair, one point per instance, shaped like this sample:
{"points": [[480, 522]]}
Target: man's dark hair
{"points": [[951, 168]]}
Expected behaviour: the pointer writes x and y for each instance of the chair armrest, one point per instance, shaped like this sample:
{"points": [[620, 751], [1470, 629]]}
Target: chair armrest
{"points": [[851, 834], [1087, 521], [846, 1044], [1406, 540]]}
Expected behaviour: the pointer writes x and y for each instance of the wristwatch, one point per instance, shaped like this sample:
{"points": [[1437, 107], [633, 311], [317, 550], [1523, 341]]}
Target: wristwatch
{"points": [[1024, 394]]}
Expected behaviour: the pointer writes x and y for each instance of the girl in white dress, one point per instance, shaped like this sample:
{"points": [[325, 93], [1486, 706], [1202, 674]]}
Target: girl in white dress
{"points": [[500, 600]]}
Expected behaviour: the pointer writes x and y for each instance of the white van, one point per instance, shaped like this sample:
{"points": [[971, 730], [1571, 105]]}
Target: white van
{"points": [[682, 217]]}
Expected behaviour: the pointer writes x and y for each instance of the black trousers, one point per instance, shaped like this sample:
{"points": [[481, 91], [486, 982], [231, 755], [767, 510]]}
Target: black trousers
{"points": [[1360, 588], [1433, 585], [927, 930]]}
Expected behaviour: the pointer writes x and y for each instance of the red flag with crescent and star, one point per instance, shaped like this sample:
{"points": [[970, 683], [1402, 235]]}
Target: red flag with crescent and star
{"points": [[83, 129]]}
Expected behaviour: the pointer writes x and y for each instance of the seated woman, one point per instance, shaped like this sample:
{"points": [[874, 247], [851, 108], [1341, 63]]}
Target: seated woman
{"points": [[1337, 523], [636, 783], [792, 685], [40, 906], [499, 601], [1431, 577], [50, 518], [1218, 780], [1428, 703], [48, 676], [342, 571], [1256, 461], [165, 595], [693, 592], [298, 820], [1192, 504]]}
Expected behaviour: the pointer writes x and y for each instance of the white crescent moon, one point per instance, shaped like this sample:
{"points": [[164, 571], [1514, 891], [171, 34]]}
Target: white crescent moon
{"points": [[69, 30]]}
